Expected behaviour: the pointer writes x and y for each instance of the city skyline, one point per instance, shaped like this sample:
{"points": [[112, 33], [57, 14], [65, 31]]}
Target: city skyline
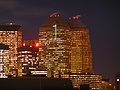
{"points": [[100, 16], [66, 52]]}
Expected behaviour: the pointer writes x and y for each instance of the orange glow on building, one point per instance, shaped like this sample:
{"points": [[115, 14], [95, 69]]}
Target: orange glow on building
{"points": [[67, 47], [32, 43], [28, 58], [55, 54]]}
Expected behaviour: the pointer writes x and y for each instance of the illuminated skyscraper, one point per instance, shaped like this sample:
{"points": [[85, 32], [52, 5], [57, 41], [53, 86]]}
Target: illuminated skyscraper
{"points": [[66, 40], [66, 50], [11, 35], [54, 35], [81, 54]]}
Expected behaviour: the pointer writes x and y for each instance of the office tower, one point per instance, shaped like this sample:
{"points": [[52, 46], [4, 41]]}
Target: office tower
{"points": [[55, 39], [117, 81], [81, 54], [4, 60], [28, 57], [11, 35]]}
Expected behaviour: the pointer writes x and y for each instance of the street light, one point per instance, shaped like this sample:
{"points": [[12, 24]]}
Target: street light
{"points": [[118, 79]]}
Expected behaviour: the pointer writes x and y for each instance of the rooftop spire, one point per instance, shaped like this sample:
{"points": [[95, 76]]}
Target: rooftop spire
{"points": [[56, 14]]}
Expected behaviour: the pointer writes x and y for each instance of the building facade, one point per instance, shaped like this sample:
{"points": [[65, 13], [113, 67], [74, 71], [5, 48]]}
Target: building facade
{"points": [[28, 57], [81, 54], [11, 35], [93, 80], [4, 61]]}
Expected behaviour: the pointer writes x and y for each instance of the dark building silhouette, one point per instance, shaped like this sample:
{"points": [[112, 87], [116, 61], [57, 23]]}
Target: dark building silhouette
{"points": [[84, 87], [35, 83]]}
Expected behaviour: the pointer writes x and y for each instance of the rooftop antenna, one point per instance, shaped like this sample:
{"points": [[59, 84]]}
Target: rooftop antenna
{"points": [[55, 26]]}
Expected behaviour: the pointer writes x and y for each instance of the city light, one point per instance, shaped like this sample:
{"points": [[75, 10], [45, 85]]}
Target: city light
{"points": [[37, 44], [23, 44], [62, 51], [118, 80]]}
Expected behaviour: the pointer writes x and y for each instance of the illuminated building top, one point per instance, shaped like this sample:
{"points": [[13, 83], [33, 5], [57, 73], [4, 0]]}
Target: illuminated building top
{"points": [[53, 19], [31, 43]]}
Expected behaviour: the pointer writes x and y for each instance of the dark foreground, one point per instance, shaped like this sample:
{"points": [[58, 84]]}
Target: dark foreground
{"points": [[35, 83]]}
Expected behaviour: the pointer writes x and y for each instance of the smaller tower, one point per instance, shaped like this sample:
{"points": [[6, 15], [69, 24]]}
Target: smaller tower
{"points": [[28, 57]]}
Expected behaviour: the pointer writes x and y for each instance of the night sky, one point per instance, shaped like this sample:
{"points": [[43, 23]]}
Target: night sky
{"points": [[102, 17]]}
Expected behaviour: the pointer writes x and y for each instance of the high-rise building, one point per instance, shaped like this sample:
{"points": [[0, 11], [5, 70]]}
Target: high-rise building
{"points": [[81, 55], [28, 57], [54, 36], [4, 60], [11, 35]]}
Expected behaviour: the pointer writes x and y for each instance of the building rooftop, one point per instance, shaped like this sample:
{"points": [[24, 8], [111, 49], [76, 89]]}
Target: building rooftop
{"points": [[53, 19], [76, 22], [9, 27]]}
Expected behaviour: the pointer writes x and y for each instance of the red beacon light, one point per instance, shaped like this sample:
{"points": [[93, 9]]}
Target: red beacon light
{"points": [[23, 44], [76, 17], [37, 45]]}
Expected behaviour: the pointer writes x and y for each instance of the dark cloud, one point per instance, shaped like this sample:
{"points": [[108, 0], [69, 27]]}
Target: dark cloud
{"points": [[32, 12], [8, 4]]}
